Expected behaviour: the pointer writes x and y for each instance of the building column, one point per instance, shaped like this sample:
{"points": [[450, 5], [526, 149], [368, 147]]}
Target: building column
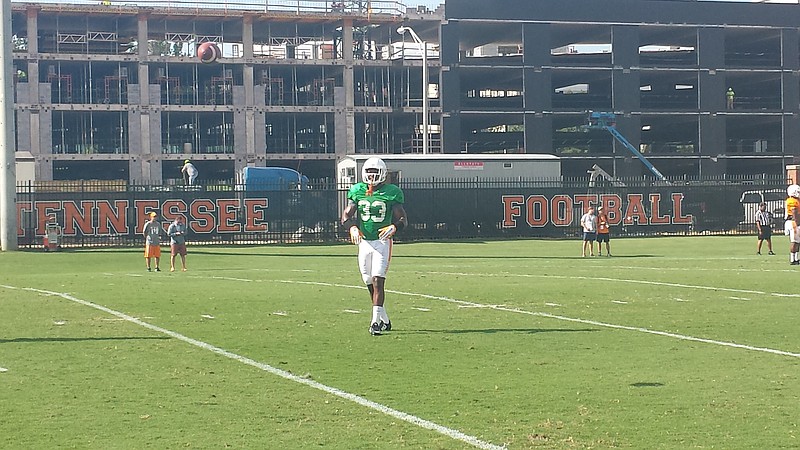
{"points": [[537, 88], [245, 154], [711, 90], [144, 162], [625, 94], [450, 88], [40, 144], [712, 144], [538, 133], [33, 51], [626, 164], [344, 99], [711, 59]]}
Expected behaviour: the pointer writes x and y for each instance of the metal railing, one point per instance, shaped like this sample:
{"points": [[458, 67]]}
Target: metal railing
{"points": [[351, 7]]}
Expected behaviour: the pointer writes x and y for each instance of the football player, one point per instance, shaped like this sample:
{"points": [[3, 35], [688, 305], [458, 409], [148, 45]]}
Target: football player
{"points": [[792, 217], [374, 213]]}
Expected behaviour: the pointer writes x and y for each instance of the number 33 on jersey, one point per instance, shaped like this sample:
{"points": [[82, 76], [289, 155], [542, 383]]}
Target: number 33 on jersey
{"points": [[375, 209]]}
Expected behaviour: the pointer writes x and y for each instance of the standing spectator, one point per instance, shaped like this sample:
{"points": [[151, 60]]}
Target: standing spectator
{"points": [[730, 95], [189, 172], [790, 226], [603, 233], [374, 213], [589, 225], [177, 242], [764, 225], [152, 240]]}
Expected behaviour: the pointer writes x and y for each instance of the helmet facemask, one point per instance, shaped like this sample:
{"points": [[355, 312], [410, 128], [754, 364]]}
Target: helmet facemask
{"points": [[374, 171]]}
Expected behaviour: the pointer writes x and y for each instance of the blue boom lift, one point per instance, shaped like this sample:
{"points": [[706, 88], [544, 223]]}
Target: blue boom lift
{"points": [[607, 121]]}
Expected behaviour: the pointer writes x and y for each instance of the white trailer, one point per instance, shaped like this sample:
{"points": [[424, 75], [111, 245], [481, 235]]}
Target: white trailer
{"points": [[454, 166]]}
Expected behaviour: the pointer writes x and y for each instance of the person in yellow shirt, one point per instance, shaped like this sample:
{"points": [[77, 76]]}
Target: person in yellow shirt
{"points": [[790, 226]]}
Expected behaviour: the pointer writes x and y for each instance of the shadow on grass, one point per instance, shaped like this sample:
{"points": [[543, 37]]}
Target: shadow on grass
{"points": [[439, 256], [503, 330], [205, 251], [647, 384], [81, 339]]}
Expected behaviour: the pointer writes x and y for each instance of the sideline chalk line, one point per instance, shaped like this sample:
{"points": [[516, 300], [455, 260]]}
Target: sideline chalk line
{"points": [[449, 432]]}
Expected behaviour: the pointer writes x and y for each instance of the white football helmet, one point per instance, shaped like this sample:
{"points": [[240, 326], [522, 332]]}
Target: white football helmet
{"points": [[793, 191], [374, 171]]}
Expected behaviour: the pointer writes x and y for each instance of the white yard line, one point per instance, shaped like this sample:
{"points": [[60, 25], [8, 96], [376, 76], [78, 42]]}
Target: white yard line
{"points": [[228, 279], [449, 432], [694, 269], [618, 280], [565, 318]]}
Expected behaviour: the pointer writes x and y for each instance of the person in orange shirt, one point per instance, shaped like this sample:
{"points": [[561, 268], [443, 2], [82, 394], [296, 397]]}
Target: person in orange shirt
{"points": [[790, 227], [152, 234], [603, 234]]}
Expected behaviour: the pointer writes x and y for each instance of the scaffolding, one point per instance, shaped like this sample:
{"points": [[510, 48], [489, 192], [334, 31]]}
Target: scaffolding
{"points": [[273, 91], [220, 90], [116, 86], [292, 61], [322, 91], [61, 84], [170, 89]]}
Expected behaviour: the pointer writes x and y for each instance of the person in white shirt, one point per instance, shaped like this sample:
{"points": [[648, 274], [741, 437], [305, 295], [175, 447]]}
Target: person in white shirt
{"points": [[177, 242], [189, 171], [589, 225]]}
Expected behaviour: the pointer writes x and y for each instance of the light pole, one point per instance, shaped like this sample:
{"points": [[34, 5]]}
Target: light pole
{"points": [[425, 116], [8, 177]]}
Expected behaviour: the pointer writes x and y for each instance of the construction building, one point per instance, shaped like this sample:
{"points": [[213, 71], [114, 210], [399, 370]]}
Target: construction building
{"points": [[111, 90], [116, 91], [521, 77]]}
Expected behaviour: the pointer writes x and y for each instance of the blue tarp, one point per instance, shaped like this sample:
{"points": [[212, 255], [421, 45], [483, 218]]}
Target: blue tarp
{"points": [[273, 179]]}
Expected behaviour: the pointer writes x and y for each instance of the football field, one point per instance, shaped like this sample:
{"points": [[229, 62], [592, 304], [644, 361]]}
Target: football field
{"points": [[672, 343]]}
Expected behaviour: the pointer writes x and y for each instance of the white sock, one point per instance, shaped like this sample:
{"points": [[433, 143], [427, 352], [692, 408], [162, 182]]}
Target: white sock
{"points": [[382, 314], [376, 314], [794, 256]]}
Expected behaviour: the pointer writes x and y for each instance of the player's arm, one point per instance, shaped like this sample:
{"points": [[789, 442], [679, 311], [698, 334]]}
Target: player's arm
{"points": [[399, 218], [349, 214], [350, 223], [399, 222]]}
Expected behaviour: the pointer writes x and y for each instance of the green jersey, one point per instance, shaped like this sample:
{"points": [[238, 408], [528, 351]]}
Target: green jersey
{"points": [[375, 210]]}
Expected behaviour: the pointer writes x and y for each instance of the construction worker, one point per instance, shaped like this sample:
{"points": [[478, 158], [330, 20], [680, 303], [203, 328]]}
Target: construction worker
{"points": [[189, 172], [729, 95]]}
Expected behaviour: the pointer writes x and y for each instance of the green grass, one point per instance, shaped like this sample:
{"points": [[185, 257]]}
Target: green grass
{"points": [[509, 342]]}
